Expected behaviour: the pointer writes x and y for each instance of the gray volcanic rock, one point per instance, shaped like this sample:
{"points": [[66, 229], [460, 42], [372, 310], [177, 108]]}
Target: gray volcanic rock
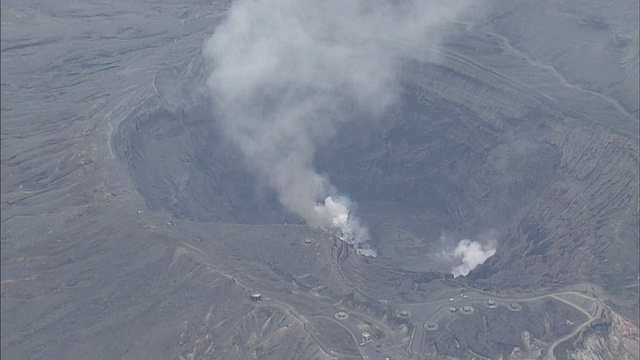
{"points": [[132, 229]]}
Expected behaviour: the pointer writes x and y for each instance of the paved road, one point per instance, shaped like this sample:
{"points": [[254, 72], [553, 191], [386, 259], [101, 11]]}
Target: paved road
{"points": [[472, 298]]}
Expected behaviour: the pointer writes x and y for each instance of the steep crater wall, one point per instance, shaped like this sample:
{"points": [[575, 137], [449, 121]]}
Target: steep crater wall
{"points": [[466, 151], [419, 157]]}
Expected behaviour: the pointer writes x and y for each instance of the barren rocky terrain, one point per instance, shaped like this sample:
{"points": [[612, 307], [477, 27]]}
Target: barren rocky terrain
{"points": [[132, 229]]}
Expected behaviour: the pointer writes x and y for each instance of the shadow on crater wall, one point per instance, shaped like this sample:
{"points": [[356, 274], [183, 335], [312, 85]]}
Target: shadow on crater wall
{"points": [[423, 158], [464, 152]]}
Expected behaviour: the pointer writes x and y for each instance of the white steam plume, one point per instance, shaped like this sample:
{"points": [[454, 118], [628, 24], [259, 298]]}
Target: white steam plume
{"points": [[285, 74], [471, 254]]}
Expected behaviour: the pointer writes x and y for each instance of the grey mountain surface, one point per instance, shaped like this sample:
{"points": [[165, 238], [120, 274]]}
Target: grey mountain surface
{"points": [[132, 229]]}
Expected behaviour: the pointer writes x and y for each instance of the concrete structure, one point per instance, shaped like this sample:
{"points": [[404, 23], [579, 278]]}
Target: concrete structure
{"points": [[515, 307], [467, 310], [341, 315]]}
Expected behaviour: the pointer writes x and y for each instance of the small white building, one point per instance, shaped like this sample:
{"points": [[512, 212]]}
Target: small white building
{"points": [[366, 336]]}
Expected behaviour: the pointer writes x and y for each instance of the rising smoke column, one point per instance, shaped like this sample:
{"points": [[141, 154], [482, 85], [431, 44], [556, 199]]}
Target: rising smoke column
{"points": [[285, 74], [471, 254]]}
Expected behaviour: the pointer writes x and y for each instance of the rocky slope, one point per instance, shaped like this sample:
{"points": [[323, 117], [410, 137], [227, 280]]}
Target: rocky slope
{"points": [[131, 229]]}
